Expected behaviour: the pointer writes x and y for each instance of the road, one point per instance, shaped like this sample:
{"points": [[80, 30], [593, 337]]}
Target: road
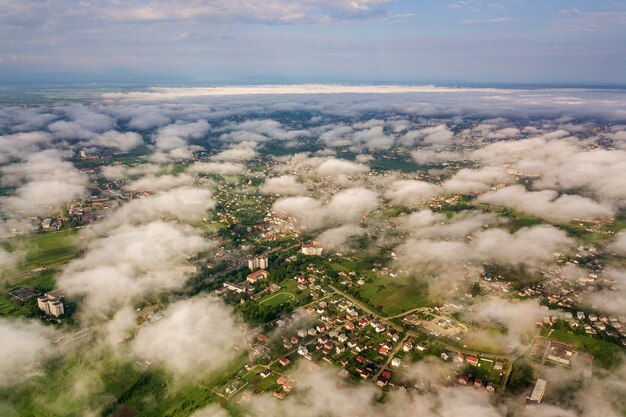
{"points": [[390, 357]]}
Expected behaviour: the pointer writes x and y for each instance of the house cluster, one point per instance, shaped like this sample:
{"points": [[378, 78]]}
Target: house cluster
{"points": [[467, 378], [592, 323], [279, 226]]}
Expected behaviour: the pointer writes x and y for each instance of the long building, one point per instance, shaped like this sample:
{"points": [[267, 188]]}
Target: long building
{"points": [[538, 391]]}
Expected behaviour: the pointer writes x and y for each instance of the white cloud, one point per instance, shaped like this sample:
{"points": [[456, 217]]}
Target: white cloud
{"points": [[344, 207], [335, 167], [25, 345], [146, 259], [411, 192], [116, 140], [284, 185], [44, 181], [547, 203], [195, 337]]}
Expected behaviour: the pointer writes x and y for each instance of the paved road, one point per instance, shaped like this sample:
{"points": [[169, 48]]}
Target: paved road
{"points": [[390, 357]]}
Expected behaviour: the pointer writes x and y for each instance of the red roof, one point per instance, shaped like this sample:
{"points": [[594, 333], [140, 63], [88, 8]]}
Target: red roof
{"points": [[260, 272]]}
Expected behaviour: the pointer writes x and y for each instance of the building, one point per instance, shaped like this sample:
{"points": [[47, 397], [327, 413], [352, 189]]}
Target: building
{"points": [[538, 391], [384, 378], [49, 224], [258, 263], [257, 275], [311, 249], [51, 303], [239, 289], [561, 353], [471, 360]]}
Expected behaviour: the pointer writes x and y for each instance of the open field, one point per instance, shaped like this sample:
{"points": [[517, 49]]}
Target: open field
{"points": [[10, 307], [45, 249], [393, 296], [146, 392], [277, 299]]}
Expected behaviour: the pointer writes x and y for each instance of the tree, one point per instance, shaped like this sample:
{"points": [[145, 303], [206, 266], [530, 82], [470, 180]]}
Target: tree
{"points": [[475, 289], [521, 375]]}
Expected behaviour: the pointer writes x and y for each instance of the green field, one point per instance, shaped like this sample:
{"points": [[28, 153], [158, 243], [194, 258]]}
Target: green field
{"points": [[393, 296], [11, 307], [277, 299], [45, 249], [88, 380]]}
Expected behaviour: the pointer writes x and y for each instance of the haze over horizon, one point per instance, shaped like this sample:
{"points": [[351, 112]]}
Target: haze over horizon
{"points": [[288, 41]]}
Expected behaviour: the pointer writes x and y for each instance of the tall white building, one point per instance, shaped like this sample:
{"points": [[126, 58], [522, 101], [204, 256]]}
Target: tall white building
{"points": [[257, 263], [51, 303]]}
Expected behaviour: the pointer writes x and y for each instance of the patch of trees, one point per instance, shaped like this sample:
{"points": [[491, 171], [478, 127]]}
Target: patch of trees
{"points": [[522, 375]]}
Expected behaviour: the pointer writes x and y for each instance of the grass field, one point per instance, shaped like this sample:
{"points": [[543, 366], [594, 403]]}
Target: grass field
{"points": [[10, 307], [91, 380], [45, 249], [393, 296], [277, 299]]}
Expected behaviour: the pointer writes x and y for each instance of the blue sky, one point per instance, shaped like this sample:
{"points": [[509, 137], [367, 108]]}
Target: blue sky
{"points": [[241, 41]]}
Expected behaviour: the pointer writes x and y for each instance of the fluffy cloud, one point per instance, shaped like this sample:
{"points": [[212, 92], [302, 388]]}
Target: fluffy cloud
{"points": [[430, 156], [259, 131], [437, 136], [9, 259], [171, 141], [147, 258], [349, 205], [160, 182], [337, 237], [344, 207], [284, 185], [476, 180], [444, 261], [116, 140], [84, 123], [547, 203], [333, 167], [611, 300], [519, 318], [25, 345], [216, 168], [321, 393], [121, 172], [236, 154], [20, 145], [195, 336], [426, 224], [411, 192], [619, 245], [182, 203], [563, 164], [44, 183], [366, 135]]}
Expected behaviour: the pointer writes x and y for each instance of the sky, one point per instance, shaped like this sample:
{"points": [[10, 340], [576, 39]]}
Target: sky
{"points": [[205, 42]]}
